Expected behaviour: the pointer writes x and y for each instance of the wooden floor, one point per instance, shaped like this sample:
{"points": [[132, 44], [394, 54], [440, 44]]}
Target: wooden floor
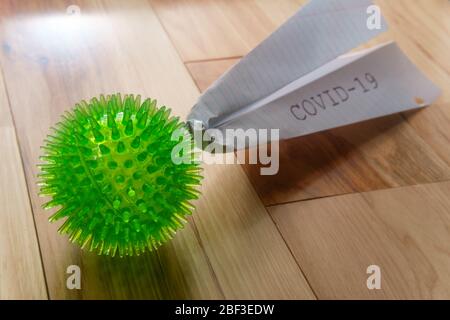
{"points": [[376, 193]]}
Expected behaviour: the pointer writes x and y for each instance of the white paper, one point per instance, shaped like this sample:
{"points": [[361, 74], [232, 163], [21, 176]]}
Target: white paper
{"points": [[365, 86]]}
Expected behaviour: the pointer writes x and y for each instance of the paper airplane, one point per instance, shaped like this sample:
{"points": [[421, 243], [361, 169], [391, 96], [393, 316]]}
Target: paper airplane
{"points": [[299, 81]]}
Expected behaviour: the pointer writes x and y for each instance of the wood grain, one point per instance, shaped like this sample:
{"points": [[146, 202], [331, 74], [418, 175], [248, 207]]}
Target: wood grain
{"points": [[21, 273], [405, 231], [230, 248], [203, 30], [399, 150]]}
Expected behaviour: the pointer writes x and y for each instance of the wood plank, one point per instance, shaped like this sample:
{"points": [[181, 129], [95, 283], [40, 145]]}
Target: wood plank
{"points": [[21, 273], [393, 151], [405, 231], [204, 73], [422, 30], [52, 62], [249, 257], [202, 30]]}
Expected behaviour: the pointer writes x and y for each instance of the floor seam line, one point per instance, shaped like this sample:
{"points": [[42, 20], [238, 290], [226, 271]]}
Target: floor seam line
{"points": [[2, 74]]}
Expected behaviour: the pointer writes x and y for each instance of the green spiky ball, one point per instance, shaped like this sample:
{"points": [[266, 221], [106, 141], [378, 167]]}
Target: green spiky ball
{"points": [[108, 167]]}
